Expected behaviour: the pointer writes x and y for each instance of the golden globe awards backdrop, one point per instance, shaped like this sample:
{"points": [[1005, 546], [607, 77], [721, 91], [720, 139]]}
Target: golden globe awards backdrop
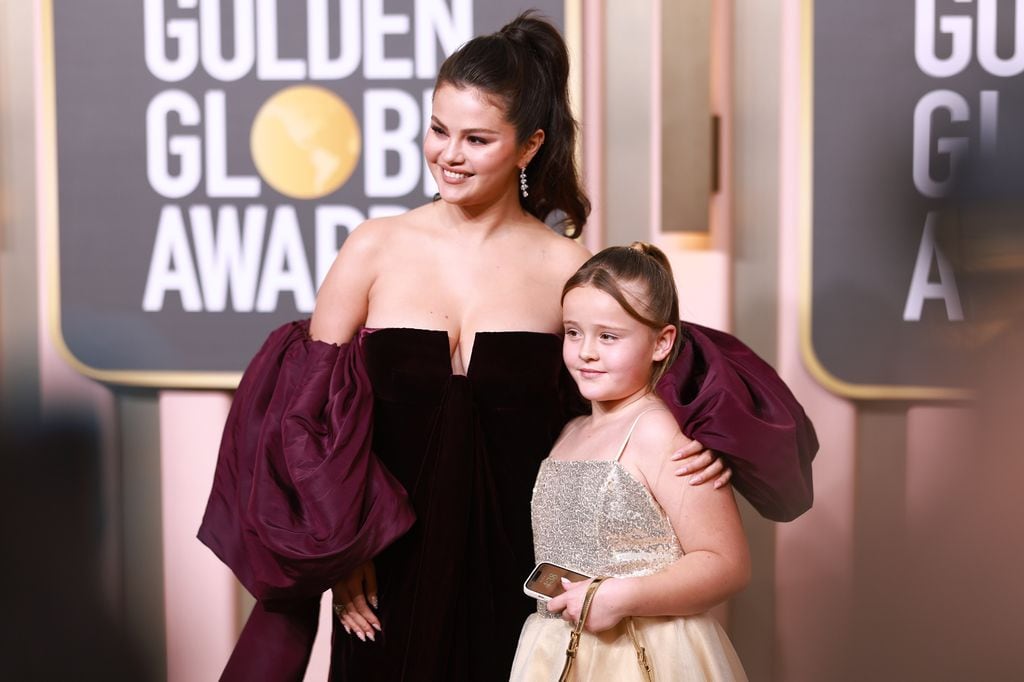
{"points": [[212, 155], [917, 177]]}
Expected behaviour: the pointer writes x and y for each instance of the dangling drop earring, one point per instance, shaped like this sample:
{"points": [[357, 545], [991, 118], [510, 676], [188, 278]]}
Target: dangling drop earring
{"points": [[522, 182]]}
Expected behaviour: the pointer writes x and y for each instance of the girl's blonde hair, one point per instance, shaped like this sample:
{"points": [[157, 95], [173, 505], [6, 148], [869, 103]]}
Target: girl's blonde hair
{"points": [[643, 264]]}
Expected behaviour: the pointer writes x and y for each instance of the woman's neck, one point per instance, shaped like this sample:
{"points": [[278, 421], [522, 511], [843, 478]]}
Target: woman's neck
{"points": [[482, 221]]}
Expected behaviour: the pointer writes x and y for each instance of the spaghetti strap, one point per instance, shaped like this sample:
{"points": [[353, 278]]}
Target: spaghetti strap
{"points": [[625, 442]]}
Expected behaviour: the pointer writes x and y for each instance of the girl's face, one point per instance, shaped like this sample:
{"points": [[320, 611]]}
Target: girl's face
{"points": [[471, 148], [609, 354]]}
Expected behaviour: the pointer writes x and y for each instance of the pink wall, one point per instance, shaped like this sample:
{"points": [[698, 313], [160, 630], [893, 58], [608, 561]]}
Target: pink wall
{"points": [[195, 582]]}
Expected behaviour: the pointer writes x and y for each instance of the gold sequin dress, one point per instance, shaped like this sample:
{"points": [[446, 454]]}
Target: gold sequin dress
{"points": [[596, 518]]}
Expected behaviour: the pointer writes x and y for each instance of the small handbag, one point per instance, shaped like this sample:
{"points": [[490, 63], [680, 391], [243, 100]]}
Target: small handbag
{"points": [[574, 637]]}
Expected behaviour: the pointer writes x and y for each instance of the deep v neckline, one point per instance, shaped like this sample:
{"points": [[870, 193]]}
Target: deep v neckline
{"points": [[478, 336]]}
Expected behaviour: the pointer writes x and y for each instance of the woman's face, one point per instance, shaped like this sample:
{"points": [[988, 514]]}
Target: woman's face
{"points": [[471, 148]]}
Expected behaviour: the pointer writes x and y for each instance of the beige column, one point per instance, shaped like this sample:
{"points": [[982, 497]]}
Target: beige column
{"points": [[814, 554]]}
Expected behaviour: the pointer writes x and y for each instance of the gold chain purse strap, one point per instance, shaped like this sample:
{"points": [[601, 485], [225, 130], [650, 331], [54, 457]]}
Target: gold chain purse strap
{"points": [[577, 632]]}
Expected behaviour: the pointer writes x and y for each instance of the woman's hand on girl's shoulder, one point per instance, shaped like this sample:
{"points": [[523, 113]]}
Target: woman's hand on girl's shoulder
{"points": [[702, 463]]}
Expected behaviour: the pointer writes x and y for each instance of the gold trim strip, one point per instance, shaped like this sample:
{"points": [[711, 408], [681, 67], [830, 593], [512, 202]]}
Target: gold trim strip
{"points": [[49, 213], [806, 232]]}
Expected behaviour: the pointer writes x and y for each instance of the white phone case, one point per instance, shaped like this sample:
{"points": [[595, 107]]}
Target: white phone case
{"points": [[545, 580]]}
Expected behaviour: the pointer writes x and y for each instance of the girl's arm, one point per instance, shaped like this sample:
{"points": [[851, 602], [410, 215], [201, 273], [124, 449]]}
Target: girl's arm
{"points": [[717, 561]]}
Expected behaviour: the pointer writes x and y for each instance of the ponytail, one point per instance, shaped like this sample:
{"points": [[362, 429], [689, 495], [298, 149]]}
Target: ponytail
{"points": [[526, 66]]}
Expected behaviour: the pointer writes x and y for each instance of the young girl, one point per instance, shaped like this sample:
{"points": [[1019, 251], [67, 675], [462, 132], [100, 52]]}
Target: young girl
{"points": [[606, 503]]}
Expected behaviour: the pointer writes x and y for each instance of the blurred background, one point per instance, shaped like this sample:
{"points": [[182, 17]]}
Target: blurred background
{"points": [[838, 184]]}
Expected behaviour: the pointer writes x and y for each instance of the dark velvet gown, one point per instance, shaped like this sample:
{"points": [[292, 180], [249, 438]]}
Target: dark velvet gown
{"points": [[332, 456]]}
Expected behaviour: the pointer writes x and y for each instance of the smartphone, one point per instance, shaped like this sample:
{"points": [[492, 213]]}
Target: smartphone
{"points": [[545, 580]]}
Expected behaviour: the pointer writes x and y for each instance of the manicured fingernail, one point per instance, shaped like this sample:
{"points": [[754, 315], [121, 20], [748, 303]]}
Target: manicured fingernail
{"points": [[718, 484], [373, 601], [682, 471], [565, 581], [376, 627], [694, 480], [360, 635], [347, 629], [370, 635]]}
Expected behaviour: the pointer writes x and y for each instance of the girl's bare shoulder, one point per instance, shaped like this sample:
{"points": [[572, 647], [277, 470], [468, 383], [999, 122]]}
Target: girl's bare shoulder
{"points": [[656, 437], [568, 444]]}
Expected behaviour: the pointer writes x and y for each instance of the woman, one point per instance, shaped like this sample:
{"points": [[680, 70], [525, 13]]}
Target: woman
{"points": [[447, 387]]}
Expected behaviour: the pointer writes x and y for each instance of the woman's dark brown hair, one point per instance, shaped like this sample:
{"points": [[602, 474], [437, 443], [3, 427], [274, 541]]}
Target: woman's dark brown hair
{"points": [[526, 66], [639, 278]]}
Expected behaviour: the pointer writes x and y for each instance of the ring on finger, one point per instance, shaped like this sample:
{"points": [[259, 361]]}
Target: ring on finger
{"points": [[339, 609]]}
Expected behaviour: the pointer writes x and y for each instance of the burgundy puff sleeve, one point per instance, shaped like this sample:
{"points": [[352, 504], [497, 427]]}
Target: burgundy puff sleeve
{"points": [[298, 498], [734, 403]]}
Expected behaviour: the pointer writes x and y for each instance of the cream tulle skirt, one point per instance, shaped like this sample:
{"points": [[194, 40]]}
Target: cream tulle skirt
{"points": [[679, 650]]}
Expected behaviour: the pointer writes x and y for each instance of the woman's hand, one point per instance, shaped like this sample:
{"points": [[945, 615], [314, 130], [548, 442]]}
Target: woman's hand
{"points": [[703, 464], [353, 596], [606, 608]]}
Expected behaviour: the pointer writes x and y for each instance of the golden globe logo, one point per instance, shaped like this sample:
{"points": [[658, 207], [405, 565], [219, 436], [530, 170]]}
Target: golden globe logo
{"points": [[305, 142], [222, 241]]}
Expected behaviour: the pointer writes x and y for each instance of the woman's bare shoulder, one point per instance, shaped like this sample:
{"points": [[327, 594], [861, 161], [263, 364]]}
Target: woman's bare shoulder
{"points": [[571, 250], [366, 237], [564, 255], [388, 232], [365, 251]]}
